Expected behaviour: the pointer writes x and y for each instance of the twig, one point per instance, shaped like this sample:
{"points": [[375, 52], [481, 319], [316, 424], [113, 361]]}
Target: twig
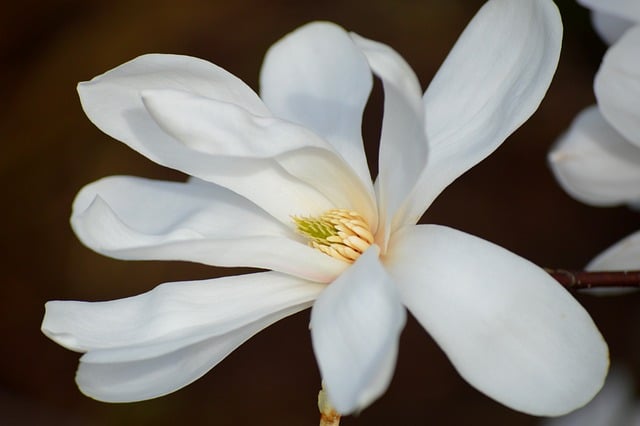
{"points": [[578, 280]]}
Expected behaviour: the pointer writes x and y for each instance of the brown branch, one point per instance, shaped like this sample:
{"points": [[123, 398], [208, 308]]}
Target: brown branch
{"points": [[577, 280]]}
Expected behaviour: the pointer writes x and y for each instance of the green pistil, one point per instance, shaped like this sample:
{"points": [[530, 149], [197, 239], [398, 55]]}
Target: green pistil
{"points": [[316, 229]]}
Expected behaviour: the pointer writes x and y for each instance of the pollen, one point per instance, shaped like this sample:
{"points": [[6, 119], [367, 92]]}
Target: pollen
{"points": [[340, 233]]}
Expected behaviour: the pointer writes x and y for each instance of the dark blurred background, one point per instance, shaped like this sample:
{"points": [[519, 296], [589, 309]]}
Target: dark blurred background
{"points": [[50, 150]]}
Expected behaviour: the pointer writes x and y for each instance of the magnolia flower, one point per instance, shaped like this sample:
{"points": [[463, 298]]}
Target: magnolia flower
{"points": [[597, 161], [615, 405], [281, 182], [611, 18]]}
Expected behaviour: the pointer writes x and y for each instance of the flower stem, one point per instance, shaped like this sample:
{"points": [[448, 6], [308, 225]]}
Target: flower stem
{"points": [[328, 415], [577, 280]]}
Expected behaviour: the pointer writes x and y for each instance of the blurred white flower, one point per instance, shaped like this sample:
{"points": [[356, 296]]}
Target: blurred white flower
{"points": [[281, 182], [611, 18], [597, 161], [615, 405]]}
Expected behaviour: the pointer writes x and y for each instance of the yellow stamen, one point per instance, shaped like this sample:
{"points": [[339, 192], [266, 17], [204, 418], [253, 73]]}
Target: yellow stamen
{"points": [[339, 233]]}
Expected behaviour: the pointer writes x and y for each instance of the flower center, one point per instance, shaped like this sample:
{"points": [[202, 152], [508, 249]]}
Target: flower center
{"points": [[339, 233]]}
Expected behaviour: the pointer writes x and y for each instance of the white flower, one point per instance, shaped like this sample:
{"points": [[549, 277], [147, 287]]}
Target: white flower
{"points": [[597, 161], [615, 405], [611, 18], [275, 173]]}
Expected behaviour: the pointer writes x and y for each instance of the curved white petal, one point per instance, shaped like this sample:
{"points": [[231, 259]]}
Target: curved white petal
{"points": [[174, 311], [623, 255], [355, 327], [142, 219], [508, 328], [626, 9], [594, 163], [219, 128], [113, 102], [317, 77], [222, 128], [403, 142], [617, 85], [130, 381], [609, 27], [492, 81], [155, 343]]}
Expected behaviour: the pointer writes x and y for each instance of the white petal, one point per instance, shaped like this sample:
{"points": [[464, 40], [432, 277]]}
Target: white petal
{"points": [[172, 311], [508, 328], [113, 101], [609, 27], [355, 327], [626, 9], [623, 255], [155, 343], [131, 381], [403, 142], [141, 219], [617, 85], [222, 129], [317, 77], [594, 163], [492, 81]]}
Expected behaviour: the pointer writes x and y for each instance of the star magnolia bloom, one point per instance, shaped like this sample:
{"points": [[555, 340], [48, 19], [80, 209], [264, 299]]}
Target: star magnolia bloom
{"points": [[611, 18], [281, 182], [597, 161], [615, 405]]}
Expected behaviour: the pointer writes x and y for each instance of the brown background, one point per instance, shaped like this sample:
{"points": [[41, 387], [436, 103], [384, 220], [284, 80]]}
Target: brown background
{"points": [[50, 150]]}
